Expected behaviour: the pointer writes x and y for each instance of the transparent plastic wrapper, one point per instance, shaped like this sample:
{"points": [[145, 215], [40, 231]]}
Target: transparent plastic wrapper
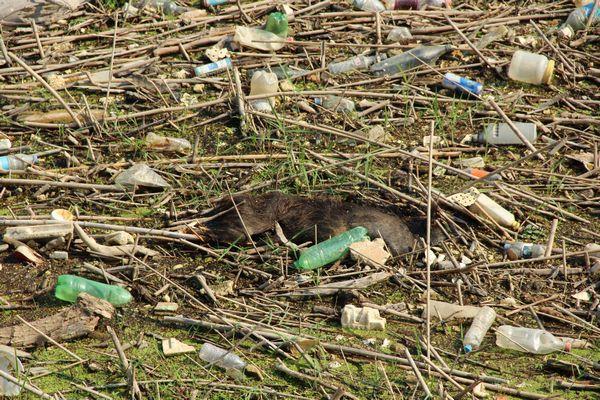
{"points": [[493, 35], [263, 82], [10, 364], [369, 5], [167, 7], [5, 144], [330, 250], [17, 162], [141, 175], [68, 288], [531, 68], [362, 318], [168, 144], [399, 34], [481, 324], [415, 4], [258, 39], [529, 340], [41, 11], [221, 357]]}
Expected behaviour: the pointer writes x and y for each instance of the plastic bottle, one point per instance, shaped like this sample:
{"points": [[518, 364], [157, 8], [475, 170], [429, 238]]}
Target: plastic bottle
{"points": [[213, 68], [69, 286], [531, 68], [221, 357], [521, 250], [529, 340], [410, 59], [330, 250], [164, 143], [17, 162], [263, 82], [447, 311], [33, 232], [335, 103], [167, 7], [581, 3], [356, 63], [277, 23], [258, 39], [503, 134], [369, 5], [481, 324], [484, 206], [458, 83], [578, 19], [399, 34], [415, 4]]}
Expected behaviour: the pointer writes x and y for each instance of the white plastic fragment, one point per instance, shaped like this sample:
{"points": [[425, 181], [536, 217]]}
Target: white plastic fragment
{"points": [[362, 318], [173, 346]]}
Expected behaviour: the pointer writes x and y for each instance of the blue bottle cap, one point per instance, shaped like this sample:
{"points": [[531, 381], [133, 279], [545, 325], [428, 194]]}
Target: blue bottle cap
{"points": [[468, 348]]}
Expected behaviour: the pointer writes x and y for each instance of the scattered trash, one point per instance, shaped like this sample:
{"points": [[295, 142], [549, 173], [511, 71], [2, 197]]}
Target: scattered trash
{"points": [[484, 206], [220, 357], [277, 23], [59, 255], [213, 68], [9, 364], [529, 340], [369, 5], [39, 231], [60, 214], [258, 39], [17, 162], [172, 347], [446, 311], [356, 63], [68, 287], [455, 82], [482, 322], [399, 34], [521, 250], [165, 307], [141, 175], [502, 134], [410, 59], [118, 238], [336, 103], [531, 68], [578, 20], [362, 318], [263, 83]]}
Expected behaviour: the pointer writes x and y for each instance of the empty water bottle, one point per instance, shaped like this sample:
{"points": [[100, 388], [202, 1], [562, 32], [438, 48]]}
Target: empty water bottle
{"points": [[69, 286], [529, 340], [410, 59], [502, 133], [521, 250], [277, 23], [221, 357], [17, 162], [531, 68], [356, 63], [578, 19], [458, 83], [263, 82], [213, 68], [481, 324], [369, 5], [330, 250], [335, 103]]}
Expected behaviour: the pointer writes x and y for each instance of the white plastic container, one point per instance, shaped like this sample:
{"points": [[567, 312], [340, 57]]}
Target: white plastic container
{"points": [[446, 311], [362, 318], [529, 340], [481, 324], [484, 205], [502, 134], [263, 82], [531, 68], [221, 357], [168, 144]]}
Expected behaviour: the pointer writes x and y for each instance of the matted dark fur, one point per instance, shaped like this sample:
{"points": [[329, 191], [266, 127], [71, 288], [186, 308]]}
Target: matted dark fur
{"points": [[303, 217]]}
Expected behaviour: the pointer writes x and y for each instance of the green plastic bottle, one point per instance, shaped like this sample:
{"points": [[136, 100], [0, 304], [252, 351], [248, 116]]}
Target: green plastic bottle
{"points": [[69, 286], [330, 250], [277, 23]]}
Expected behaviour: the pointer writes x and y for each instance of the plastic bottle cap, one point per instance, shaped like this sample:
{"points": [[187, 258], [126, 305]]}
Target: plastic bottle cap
{"points": [[468, 348], [547, 78]]}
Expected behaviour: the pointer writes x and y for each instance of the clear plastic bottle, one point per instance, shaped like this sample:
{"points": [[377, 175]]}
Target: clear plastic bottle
{"points": [[277, 23], [481, 324], [221, 357], [167, 7], [69, 286], [399, 34], [446, 311], [529, 340], [521, 250], [330, 250], [577, 20], [163, 143], [336, 103], [213, 68], [258, 39], [502, 133], [458, 83], [263, 82], [17, 162], [410, 59], [531, 68], [356, 63], [369, 5]]}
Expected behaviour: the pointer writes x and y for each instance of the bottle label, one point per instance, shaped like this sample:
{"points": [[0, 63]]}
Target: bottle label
{"points": [[4, 163], [213, 67]]}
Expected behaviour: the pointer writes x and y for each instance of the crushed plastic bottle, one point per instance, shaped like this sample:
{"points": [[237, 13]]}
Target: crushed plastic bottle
{"points": [[141, 175], [531, 68], [362, 318], [221, 357], [458, 83], [502, 134], [10, 364], [164, 143], [446, 311], [481, 324], [277, 23], [369, 5], [17, 162], [258, 39], [399, 34], [336, 103], [529, 340], [68, 288], [410, 59], [213, 68], [263, 82], [577, 20], [356, 63], [521, 250], [330, 250]]}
